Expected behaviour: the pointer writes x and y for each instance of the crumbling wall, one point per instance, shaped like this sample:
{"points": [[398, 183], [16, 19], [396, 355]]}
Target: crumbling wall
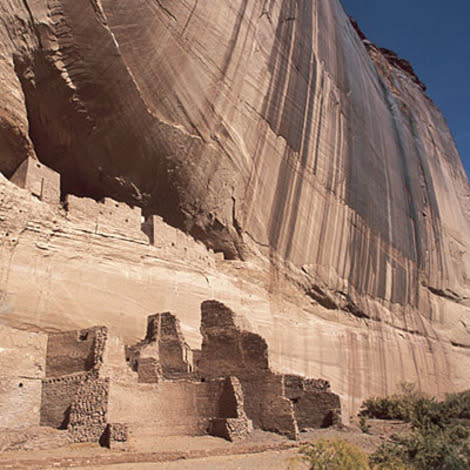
{"points": [[79, 401], [113, 362], [226, 349], [76, 351], [177, 244], [231, 422], [106, 217], [274, 402], [57, 396], [43, 182], [115, 436], [163, 353], [232, 388], [174, 353], [88, 412], [22, 366], [315, 406]]}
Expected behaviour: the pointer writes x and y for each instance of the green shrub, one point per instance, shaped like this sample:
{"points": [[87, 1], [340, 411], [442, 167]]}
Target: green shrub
{"points": [[418, 409], [406, 406], [457, 406], [334, 454], [423, 449], [365, 428], [440, 431]]}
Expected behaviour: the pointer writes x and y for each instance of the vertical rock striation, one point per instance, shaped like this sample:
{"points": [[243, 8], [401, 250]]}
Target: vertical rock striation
{"points": [[270, 130]]}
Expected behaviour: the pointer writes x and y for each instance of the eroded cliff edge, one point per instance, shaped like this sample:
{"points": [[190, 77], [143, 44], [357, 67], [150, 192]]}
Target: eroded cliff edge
{"points": [[269, 131]]}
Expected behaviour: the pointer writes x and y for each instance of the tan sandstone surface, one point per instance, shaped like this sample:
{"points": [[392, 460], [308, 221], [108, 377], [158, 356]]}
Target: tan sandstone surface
{"points": [[267, 130]]}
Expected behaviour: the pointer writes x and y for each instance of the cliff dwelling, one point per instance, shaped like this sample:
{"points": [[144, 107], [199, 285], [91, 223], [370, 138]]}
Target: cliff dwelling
{"points": [[95, 389], [232, 224]]}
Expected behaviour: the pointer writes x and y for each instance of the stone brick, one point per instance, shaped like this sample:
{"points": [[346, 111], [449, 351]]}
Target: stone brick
{"points": [[175, 242], [163, 353], [88, 412], [42, 181], [57, 396], [106, 217]]}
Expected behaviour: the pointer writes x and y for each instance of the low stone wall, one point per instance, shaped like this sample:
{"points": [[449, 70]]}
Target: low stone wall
{"points": [[169, 408], [56, 399], [177, 244], [315, 406], [106, 217]]}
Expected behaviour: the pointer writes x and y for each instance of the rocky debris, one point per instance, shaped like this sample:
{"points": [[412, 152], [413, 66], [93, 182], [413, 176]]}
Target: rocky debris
{"points": [[32, 438]]}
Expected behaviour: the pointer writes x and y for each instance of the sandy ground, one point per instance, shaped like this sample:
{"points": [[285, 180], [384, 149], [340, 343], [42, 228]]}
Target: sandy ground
{"points": [[273, 460], [261, 451]]}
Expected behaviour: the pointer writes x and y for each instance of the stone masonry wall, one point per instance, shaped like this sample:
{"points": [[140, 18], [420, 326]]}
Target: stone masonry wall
{"points": [[88, 412], [112, 218], [315, 406], [275, 402], [77, 351], [166, 408], [56, 399], [231, 422], [174, 353], [164, 353], [43, 182], [107, 217], [172, 241]]}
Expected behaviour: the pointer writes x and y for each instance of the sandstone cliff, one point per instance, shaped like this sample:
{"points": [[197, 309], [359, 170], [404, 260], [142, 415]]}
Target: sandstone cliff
{"points": [[270, 131]]}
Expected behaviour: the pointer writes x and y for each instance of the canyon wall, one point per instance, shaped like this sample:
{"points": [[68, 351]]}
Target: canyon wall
{"points": [[272, 132]]}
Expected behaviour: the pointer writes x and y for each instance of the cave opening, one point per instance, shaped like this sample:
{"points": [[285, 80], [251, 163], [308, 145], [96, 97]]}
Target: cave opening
{"points": [[73, 141]]}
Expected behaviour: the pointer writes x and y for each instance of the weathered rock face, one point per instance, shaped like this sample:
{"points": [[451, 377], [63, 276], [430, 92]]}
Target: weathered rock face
{"points": [[269, 131]]}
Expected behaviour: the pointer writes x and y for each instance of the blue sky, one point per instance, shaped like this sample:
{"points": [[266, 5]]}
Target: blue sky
{"points": [[435, 37]]}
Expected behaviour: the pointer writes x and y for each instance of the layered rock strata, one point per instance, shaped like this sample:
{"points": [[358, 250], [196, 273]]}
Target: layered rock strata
{"points": [[272, 132]]}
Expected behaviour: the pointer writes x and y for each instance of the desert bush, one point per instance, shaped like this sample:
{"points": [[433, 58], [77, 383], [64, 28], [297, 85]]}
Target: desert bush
{"points": [[424, 449], [419, 409], [440, 433], [406, 405], [457, 406], [365, 428], [334, 454]]}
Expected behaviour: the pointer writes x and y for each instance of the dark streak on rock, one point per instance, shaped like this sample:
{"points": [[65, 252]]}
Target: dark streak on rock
{"points": [[168, 12]]}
